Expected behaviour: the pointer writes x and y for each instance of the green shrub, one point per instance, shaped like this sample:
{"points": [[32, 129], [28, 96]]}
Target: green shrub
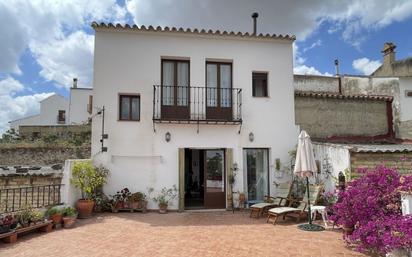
{"points": [[54, 210], [88, 178], [69, 212]]}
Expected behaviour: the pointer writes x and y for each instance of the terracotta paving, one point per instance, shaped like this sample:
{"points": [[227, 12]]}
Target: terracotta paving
{"points": [[179, 234]]}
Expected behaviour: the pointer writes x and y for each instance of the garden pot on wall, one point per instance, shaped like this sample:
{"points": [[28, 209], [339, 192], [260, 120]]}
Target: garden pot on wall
{"points": [[85, 208], [68, 221], [162, 208], [56, 218]]}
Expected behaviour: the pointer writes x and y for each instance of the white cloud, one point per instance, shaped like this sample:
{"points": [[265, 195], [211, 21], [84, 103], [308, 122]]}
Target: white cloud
{"points": [[305, 70], [365, 66], [313, 45], [14, 107], [49, 29], [352, 18], [63, 59]]}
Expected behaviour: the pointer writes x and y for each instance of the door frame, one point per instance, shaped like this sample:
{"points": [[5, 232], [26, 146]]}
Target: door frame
{"points": [[219, 112]]}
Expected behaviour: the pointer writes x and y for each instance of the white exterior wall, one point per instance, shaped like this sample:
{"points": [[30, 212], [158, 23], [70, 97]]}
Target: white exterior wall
{"points": [[339, 160], [79, 100], [130, 62], [405, 85], [49, 109], [35, 119]]}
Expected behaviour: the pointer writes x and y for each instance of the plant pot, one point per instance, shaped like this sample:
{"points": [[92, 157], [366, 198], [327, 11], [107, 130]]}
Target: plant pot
{"points": [[348, 230], [4, 229], [69, 221], [163, 208], [56, 218], [143, 206], [85, 208]]}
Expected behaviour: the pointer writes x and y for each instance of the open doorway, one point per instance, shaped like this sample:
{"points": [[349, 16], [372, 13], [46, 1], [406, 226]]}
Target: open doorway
{"points": [[205, 179]]}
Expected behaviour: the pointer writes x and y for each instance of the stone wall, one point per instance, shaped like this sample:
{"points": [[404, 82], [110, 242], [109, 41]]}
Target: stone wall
{"points": [[370, 160], [41, 155], [330, 117]]}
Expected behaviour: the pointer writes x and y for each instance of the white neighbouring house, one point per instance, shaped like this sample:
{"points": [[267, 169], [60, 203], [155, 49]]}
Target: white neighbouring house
{"points": [[189, 108], [53, 111], [57, 110]]}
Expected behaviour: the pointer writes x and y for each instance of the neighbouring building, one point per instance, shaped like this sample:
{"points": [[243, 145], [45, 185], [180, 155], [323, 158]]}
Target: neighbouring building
{"points": [[58, 115], [191, 108]]}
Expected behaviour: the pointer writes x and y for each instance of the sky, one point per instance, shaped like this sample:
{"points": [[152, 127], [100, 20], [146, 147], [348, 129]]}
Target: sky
{"points": [[44, 44]]}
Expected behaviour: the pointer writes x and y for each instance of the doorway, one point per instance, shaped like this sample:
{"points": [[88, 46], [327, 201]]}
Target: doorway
{"points": [[256, 174], [205, 186]]}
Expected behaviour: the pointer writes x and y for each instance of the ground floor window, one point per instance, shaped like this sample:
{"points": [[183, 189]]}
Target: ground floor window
{"points": [[256, 167]]}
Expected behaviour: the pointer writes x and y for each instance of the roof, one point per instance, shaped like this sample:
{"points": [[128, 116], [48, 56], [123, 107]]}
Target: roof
{"points": [[53, 95], [371, 148], [31, 116], [96, 26], [398, 148], [341, 96], [31, 171]]}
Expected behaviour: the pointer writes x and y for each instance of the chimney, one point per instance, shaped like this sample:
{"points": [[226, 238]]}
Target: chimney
{"points": [[254, 16], [388, 53], [74, 82], [337, 67]]}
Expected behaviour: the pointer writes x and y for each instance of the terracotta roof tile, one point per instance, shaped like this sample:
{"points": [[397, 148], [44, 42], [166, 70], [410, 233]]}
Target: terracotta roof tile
{"points": [[103, 25], [341, 96]]}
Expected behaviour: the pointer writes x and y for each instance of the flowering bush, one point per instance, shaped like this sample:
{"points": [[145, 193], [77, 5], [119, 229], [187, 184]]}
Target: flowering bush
{"points": [[371, 205]]}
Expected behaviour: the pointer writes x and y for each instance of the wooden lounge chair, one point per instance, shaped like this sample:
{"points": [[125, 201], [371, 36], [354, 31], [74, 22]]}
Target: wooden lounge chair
{"points": [[281, 199], [300, 210]]}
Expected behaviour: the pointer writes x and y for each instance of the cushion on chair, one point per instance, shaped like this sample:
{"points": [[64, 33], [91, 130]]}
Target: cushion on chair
{"points": [[261, 205], [281, 210]]}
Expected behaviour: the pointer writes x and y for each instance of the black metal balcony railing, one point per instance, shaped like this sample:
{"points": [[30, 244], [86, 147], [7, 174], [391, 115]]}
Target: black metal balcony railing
{"points": [[197, 104], [17, 199]]}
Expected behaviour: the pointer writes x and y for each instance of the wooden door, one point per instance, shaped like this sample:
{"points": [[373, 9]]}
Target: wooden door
{"points": [[219, 91], [214, 179], [175, 90]]}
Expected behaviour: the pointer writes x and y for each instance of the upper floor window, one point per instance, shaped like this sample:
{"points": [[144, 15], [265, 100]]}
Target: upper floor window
{"points": [[61, 117], [129, 107], [175, 82], [260, 84]]}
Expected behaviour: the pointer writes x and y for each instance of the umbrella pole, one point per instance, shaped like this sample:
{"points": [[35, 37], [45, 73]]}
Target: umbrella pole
{"points": [[309, 212]]}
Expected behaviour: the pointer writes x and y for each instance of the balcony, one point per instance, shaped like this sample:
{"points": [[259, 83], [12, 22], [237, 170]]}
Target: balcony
{"points": [[180, 104]]}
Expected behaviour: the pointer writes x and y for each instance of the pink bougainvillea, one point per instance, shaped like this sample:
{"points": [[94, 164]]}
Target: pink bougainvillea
{"points": [[371, 205]]}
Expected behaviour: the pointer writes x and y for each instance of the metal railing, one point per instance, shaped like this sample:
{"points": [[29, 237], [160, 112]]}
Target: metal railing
{"points": [[19, 198], [197, 103]]}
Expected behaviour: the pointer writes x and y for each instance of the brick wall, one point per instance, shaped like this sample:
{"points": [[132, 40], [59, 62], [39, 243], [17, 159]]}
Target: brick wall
{"points": [[370, 160]]}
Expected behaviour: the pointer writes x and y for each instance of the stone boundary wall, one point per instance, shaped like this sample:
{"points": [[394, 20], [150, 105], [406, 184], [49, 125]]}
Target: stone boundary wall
{"points": [[371, 160], [41, 156], [333, 117]]}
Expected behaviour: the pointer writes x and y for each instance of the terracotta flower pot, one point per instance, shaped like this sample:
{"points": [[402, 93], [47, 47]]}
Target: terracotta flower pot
{"points": [[163, 208], [69, 221], [56, 218], [85, 208], [348, 230]]}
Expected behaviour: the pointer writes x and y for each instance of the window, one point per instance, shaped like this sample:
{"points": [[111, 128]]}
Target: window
{"points": [[260, 84], [408, 93], [257, 173], [175, 82], [129, 107], [219, 84], [61, 118]]}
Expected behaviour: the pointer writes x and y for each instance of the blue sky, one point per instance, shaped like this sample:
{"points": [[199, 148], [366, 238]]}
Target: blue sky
{"points": [[44, 44]]}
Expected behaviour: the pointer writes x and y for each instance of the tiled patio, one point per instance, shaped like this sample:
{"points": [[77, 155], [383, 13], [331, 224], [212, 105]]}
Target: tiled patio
{"points": [[179, 234]]}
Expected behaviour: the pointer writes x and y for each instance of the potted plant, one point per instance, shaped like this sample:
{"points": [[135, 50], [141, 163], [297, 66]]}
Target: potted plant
{"points": [[88, 179], [164, 197], [6, 223], [55, 214], [69, 217], [138, 201]]}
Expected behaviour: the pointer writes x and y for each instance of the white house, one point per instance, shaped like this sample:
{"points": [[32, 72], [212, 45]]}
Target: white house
{"points": [[57, 110], [189, 108], [53, 111], [80, 105]]}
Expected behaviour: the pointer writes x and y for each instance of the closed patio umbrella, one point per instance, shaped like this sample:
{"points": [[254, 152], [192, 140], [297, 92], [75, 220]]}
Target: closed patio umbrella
{"points": [[305, 166]]}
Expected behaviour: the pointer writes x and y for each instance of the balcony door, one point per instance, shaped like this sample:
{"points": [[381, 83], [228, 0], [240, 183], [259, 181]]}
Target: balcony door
{"points": [[218, 91], [175, 89]]}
